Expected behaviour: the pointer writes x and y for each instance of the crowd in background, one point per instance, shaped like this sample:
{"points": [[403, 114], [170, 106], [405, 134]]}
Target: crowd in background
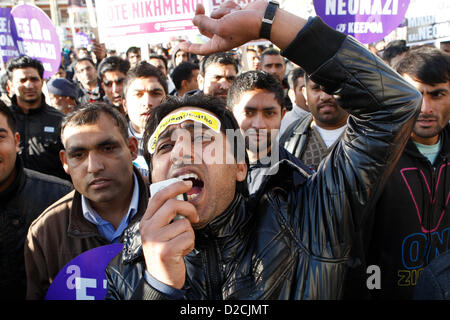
{"points": [[132, 86]]}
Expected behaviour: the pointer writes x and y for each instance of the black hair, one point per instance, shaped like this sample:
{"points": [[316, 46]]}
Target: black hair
{"points": [[293, 77], [160, 57], [133, 50], [4, 83], [90, 113], [393, 49], [252, 80], [212, 104], [86, 59], [143, 69], [10, 119], [182, 72], [425, 63], [113, 63], [24, 62], [270, 52], [223, 58]]}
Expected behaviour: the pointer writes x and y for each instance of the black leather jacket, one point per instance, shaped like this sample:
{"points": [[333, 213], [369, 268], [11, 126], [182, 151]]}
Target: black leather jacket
{"points": [[295, 242], [20, 203]]}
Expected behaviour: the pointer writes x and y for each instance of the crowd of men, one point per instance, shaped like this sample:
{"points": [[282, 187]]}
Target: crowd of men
{"points": [[339, 169]]}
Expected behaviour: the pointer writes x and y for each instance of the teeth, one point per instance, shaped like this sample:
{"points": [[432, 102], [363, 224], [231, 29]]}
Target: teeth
{"points": [[188, 176], [192, 196]]}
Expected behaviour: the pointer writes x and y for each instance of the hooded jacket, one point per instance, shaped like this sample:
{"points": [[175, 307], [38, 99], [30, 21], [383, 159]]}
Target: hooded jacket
{"points": [[294, 242], [20, 203], [411, 222]]}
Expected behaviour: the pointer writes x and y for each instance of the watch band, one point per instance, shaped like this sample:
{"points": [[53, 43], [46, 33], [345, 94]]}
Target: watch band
{"points": [[266, 25]]}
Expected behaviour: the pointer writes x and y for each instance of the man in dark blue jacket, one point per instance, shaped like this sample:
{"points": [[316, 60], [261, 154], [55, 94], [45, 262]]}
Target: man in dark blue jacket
{"points": [[24, 194], [37, 122]]}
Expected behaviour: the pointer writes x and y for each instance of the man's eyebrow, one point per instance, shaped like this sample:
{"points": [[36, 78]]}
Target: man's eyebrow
{"points": [[167, 133], [102, 143], [157, 89], [438, 90], [3, 130], [251, 108], [190, 126]]}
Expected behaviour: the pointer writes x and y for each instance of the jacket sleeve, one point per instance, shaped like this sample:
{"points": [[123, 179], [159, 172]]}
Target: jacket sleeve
{"points": [[143, 291], [35, 267], [382, 108]]}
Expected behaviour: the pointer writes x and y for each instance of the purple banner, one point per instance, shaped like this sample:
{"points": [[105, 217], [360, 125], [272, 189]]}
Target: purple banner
{"points": [[366, 20], [27, 30], [84, 278], [8, 45]]}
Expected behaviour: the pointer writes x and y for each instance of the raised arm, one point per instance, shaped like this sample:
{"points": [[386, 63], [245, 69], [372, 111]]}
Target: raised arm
{"points": [[231, 26]]}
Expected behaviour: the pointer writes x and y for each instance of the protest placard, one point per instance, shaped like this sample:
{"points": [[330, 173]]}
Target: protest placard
{"points": [[27, 30], [366, 20]]}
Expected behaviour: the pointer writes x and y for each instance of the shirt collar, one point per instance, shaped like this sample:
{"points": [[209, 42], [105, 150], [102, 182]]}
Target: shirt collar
{"points": [[91, 215]]}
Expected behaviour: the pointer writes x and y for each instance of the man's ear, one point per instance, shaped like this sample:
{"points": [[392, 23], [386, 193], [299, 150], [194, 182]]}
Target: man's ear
{"points": [[291, 95], [241, 172], [184, 83], [283, 112], [9, 87], [133, 145], [200, 81], [305, 94], [124, 105], [17, 141], [63, 158]]}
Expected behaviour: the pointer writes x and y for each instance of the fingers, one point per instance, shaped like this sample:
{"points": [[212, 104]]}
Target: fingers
{"points": [[178, 237], [162, 196], [202, 49], [225, 9], [206, 25], [168, 211], [165, 248], [200, 9]]}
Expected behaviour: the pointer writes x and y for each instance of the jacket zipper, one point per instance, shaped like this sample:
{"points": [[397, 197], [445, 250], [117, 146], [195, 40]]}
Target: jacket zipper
{"points": [[25, 138], [429, 214], [212, 270]]}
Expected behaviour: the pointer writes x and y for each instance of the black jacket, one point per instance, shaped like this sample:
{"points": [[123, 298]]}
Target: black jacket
{"points": [[294, 243], [257, 172], [40, 140], [411, 222], [23, 201]]}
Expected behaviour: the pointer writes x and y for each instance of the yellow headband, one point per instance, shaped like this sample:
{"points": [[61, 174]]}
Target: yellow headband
{"points": [[195, 115]]}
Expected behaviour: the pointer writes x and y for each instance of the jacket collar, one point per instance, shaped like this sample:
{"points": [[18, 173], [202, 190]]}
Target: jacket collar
{"points": [[287, 166], [227, 223], [412, 150], [35, 110], [80, 227], [16, 184]]}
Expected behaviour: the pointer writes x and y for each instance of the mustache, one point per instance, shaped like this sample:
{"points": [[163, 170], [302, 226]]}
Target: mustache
{"points": [[327, 103], [259, 132], [427, 117], [97, 179]]}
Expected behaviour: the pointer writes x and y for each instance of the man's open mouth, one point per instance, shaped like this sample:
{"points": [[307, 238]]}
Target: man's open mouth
{"points": [[197, 185]]}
